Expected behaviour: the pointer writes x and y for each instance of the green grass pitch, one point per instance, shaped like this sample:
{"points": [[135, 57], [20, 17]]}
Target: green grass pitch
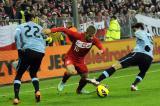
{"points": [[119, 87]]}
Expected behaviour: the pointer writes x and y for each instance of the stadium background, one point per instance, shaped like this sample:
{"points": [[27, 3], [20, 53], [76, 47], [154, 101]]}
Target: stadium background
{"points": [[98, 12]]}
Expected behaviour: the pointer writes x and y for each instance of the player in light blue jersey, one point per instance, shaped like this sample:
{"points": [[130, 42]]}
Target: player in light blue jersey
{"points": [[144, 41], [29, 36], [31, 48], [141, 56]]}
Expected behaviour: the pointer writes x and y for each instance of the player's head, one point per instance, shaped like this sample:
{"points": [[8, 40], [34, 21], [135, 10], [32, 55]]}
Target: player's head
{"points": [[28, 16], [69, 24], [138, 26], [113, 17], [90, 32]]}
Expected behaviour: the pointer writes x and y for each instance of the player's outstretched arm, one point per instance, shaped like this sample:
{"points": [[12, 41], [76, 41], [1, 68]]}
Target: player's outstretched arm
{"points": [[53, 30], [61, 29], [65, 30], [99, 45]]}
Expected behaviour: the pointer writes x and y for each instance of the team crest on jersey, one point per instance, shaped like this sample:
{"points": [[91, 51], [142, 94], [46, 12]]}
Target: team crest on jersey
{"points": [[81, 44]]}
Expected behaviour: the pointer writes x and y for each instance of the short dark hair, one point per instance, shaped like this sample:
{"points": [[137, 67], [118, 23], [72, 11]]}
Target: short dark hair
{"points": [[138, 25], [92, 29], [114, 17], [28, 16]]}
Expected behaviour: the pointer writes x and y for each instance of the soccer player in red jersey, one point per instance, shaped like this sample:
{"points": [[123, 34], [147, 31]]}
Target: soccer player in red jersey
{"points": [[74, 59]]}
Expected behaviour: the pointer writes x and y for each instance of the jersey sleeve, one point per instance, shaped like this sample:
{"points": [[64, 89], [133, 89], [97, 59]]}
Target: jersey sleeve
{"points": [[98, 44], [18, 38], [70, 33]]}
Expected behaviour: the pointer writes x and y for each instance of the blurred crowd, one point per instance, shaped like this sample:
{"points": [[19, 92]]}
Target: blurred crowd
{"points": [[48, 11], [87, 8]]}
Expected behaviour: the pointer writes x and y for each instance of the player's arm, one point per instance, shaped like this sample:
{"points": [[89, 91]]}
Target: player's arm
{"points": [[62, 29], [99, 45], [18, 41], [18, 38], [66, 31]]}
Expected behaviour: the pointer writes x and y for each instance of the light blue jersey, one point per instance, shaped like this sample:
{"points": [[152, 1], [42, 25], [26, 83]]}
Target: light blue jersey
{"points": [[29, 36], [144, 39]]}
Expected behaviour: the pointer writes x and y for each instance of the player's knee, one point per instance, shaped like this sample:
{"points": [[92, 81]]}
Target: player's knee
{"points": [[70, 72], [70, 69], [32, 74], [117, 65]]}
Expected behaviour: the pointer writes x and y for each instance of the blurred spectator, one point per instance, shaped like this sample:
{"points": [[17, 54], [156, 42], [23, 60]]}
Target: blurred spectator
{"points": [[20, 13], [9, 10], [2, 12], [106, 18], [113, 33]]}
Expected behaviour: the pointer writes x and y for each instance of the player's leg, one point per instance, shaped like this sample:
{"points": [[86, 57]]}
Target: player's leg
{"points": [[35, 83], [70, 71], [83, 72], [23, 65], [82, 83], [35, 63], [144, 64], [108, 72], [124, 62]]}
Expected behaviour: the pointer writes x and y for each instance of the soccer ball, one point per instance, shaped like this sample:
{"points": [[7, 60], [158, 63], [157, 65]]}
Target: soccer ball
{"points": [[102, 91]]}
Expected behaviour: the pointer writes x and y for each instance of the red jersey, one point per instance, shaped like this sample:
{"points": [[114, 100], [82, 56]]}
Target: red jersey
{"points": [[80, 47]]}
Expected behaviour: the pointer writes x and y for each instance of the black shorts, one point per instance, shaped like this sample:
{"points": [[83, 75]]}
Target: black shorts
{"points": [[30, 60], [136, 59]]}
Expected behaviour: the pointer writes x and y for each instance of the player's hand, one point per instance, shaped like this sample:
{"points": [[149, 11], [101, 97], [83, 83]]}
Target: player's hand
{"points": [[46, 31], [100, 52]]}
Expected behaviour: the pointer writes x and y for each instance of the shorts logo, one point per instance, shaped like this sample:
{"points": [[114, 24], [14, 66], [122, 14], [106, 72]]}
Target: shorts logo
{"points": [[81, 44]]}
